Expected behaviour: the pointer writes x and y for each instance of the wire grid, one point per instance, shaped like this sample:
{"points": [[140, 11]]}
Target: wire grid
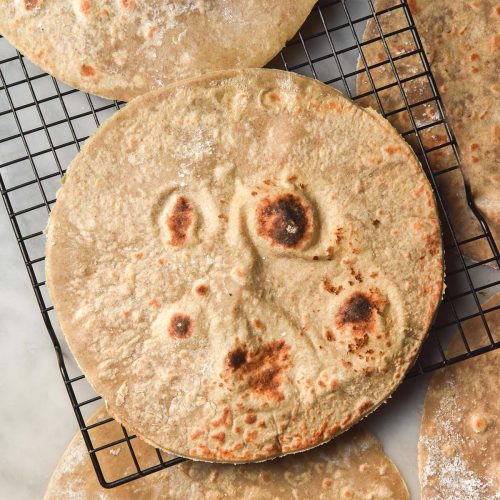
{"points": [[44, 123]]}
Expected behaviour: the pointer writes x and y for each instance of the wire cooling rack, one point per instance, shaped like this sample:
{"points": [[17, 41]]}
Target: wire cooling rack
{"points": [[43, 124]]}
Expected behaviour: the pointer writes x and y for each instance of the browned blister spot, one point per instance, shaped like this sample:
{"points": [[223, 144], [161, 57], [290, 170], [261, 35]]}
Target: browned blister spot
{"points": [[180, 326], [196, 434], [202, 290], [329, 335], [284, 220], [495, 42], [250, 436], [127, 4], [261, 369], [359, 312], [265, 476], [30, 4], [258, 324], [87, 70], [357, 309], [219, 436], [250, 418], [393, 149], [328, 287], [364, 406], [179, 221], [225, 419], [85, 6]]}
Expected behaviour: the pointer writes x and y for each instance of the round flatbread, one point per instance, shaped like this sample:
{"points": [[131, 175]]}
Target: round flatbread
{"points": [[120, 49], [237, 272], [354, 466], [459, 446], [462, 43]]}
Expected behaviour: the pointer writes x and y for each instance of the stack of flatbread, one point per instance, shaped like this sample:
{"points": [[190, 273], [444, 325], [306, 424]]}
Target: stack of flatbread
{"points": [[244, 263]]}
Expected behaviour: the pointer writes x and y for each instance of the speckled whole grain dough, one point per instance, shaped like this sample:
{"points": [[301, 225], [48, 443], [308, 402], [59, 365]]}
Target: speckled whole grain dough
{"points": [[462, 42], [354, 466], [124, 48], [244, 264], [459, 446]]}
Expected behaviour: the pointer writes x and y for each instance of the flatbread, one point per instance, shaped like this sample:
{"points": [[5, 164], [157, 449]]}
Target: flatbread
{"points": [[120, 49], [236, 272], [354, 466], [459, 446], [462, 42]]}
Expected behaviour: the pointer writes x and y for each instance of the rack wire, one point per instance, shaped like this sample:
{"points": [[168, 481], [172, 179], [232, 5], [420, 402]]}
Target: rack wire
{"points": [[43, 124]]}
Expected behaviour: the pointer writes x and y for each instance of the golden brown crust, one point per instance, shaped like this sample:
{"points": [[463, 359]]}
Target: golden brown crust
{"points": [[122, 49], [353, 466], [268, 339], [460, 36], [458, 451]]}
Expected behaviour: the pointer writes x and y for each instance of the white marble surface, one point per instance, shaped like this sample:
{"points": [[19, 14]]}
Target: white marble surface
{"points": [[36, 418]]}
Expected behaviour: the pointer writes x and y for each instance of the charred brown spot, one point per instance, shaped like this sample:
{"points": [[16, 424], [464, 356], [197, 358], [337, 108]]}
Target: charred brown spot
{"points": [[357, 309], [358, 343], [328, 287], [376, 222], [329, 335], [237, 358], [261, 370], [179, 221], [284, 220], [181, 326], [202, 290]]}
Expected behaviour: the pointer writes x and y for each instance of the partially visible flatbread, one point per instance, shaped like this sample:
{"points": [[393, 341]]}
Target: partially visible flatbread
{"points": [[462, 42], [123, 48], [459, 446], [354, 466]]}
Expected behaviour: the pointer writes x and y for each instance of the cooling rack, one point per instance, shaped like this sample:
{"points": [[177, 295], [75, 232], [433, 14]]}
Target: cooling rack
{"points": [[43, 124]]}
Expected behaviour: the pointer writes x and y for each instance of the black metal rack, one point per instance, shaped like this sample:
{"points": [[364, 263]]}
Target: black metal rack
{"points": [[43, 124]]}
